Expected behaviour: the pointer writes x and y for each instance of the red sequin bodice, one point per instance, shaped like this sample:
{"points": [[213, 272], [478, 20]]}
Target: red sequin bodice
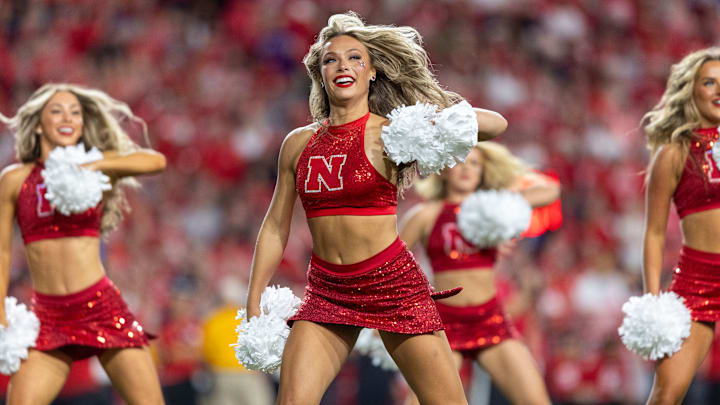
{"points": [[699, 186], [447, 249], [335, 177], [38, 220]]}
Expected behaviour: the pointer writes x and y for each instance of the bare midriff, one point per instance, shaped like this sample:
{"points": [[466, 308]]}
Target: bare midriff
{"points": [[701, 230], [348, 239], [64, 265], [478, 286]]}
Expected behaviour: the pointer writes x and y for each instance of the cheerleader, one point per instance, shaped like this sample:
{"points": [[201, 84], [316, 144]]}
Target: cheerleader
{"points": [[475, 323], [81, 312], [360, 274], [682, 133]]}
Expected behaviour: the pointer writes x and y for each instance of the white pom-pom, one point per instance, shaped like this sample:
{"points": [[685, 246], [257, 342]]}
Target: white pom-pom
{"points": [[20, 334], [458, 127], [716, 152], [655, 326], [279, 301], [71, 188], [435, 140], [490, 217], [411, 136], [370, 344], [261, 340]]}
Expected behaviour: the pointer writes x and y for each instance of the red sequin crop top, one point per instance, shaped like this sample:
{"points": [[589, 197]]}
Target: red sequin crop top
{"points": [[699, 186], [38, 220], [448, 250], [335, 177]]}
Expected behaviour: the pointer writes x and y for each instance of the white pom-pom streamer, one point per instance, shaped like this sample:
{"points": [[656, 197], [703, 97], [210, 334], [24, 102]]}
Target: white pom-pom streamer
{"points": [[370, 344], [716, 151], [418, 133], [20, 334], [655, 326], [261, 340], [71, 188], [279, 301], [490, 217], [458, 127]]}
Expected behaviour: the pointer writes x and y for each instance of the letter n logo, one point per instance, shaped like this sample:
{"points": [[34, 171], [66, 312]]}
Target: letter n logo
{"points": [[321, 172]]}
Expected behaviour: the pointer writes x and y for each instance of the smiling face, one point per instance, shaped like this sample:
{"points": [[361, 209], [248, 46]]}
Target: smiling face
{"points": [[706, 93], [61, 121], [346, 69], [465, 178]]}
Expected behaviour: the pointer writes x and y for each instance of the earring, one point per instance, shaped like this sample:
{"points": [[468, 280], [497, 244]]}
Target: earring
{"points": [[322, 84], [372, 78]]}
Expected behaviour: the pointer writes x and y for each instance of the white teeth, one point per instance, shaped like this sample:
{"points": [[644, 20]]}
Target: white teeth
{"points": [[65, 130], [344, 80]]}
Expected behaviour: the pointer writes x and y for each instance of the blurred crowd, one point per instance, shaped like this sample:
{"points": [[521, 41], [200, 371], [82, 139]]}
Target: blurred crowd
{"points": [[221, 82]]}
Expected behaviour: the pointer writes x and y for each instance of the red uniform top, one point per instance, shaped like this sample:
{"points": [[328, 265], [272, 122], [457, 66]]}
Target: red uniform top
{"points": [[699, 186], [38, 220], [335, 177], [448, 250]]}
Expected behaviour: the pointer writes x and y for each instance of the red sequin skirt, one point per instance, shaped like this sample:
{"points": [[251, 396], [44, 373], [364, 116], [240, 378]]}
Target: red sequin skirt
{"points": [[471, 329], [388, 292], [697, 279], [86, 322]]}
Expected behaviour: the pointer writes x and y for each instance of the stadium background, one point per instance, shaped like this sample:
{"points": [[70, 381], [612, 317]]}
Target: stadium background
{"points": [[221, 82]]}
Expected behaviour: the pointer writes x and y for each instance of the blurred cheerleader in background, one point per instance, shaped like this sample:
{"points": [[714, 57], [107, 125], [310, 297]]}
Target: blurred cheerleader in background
{"points": [[81, 312], [475, 323]]}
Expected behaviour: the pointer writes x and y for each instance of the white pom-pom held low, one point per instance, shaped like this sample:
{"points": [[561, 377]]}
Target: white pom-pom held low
{"points": [[20, 334], [261, 339], [655, 326], [490, 217], [435, 140], [70, 187]]}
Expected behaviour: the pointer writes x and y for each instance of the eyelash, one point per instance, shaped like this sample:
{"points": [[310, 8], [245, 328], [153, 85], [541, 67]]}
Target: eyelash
{"points": [[326, 61]]}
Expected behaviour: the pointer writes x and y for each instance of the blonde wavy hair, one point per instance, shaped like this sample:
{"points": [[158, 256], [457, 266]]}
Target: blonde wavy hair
{"points": [[675, 117], [403, 71], [102, 116], [500, 170]]}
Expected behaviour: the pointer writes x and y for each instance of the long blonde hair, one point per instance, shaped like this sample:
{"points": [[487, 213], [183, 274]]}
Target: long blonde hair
{"points": [[500, 170], [403, 74], [675, 117], [102, 115]]}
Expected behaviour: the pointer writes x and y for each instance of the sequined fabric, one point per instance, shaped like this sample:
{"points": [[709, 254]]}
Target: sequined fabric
{"points": [[38, 220], [387, 292], [96, 317], [697, 279], [448, 250], [699, 186], [335, 177], [471, 329]]}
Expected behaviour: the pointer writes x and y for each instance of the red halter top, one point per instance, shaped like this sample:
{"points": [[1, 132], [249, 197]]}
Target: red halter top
{"points": [[699, 186], [335, 177], [38, 220], [448, 250]]}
